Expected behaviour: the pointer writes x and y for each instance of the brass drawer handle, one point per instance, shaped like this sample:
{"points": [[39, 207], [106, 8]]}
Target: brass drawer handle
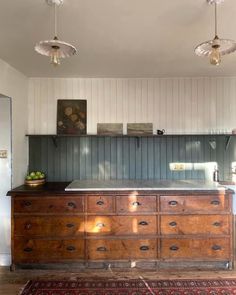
{"points": [[71, 205], [216, 224], [28, 226], [70, 225], [173, 223], [136, 204], [174, 248], [215, 202], [100, 225], [27, 203], [173, 203], [101, 249], [144, 248], [100, 203], [216, 247], [143, 223], [28, 249], [70, 248]]}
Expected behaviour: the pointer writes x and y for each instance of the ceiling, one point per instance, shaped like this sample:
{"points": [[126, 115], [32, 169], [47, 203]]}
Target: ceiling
{"points": [[117, 38]]}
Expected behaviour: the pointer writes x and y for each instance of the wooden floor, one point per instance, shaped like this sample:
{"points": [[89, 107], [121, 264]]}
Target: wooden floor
{"points": [[12, 282]]}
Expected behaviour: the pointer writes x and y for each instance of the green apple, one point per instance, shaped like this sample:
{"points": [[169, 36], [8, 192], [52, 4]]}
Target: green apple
{"points": [[28, 177], [32, 174], [35, 177], [38, 173], [42, 176]]}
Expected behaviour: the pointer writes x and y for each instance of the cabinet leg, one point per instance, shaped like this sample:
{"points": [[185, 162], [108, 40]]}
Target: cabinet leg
{"points": [[12, 267]]}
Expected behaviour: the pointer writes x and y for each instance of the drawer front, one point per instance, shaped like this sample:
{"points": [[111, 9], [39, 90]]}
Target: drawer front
{"points": [[100, 204], [48, 226], [136, 204], [204, 203], [29, 250], [218, 249], [121, 225], [59, 204], [195, 224], [122, 249]]}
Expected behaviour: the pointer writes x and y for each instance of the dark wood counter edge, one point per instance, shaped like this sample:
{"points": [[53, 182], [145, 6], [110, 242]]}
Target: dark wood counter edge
{"points": [[58, 188]]}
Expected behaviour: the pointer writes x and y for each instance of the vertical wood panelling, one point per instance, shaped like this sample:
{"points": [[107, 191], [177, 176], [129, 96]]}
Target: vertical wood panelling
{"points": [[180, 105], [130, 158]]}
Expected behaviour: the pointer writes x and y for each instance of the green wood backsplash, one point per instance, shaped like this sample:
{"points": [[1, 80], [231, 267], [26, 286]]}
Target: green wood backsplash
{"points": [[104, 157]]}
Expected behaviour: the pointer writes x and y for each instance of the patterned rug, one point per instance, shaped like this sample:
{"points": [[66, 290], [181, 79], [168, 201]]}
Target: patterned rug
{"points": [[132, 287]]}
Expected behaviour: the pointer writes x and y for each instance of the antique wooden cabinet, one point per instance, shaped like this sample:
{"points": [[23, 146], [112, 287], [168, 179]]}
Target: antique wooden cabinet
{"points": [[154, 229]]}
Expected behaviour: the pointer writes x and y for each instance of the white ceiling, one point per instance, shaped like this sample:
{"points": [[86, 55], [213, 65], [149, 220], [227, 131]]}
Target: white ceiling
{"points": [[117, 38]]}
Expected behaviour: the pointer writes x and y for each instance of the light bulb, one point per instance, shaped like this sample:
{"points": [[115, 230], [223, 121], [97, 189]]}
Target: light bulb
{"points": [[215, 56], [55, 57]]}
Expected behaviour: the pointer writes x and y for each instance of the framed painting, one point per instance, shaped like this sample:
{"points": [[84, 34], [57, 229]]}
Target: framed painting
{"points": [[71, 116]]}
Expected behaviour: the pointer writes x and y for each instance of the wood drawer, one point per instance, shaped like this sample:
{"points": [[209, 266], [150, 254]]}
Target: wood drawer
{"points": [[136, 204], [100, 204], [206, 203], [48, 226], [30, 250], [58, 204], [213, 248], [122, 249], [121, 225], [195, 224]]}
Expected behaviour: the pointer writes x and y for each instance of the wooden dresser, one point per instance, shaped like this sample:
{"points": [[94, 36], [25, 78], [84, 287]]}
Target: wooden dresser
{"points": [[150, 229]]}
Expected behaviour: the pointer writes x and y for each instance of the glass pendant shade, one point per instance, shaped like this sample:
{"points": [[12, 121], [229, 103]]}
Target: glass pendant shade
{"points": [[216, 48], [55, 49]]}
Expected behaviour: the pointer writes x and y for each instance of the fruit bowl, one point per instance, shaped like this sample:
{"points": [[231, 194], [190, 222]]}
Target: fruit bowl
{"points": [[35, 178], [35, 182]]}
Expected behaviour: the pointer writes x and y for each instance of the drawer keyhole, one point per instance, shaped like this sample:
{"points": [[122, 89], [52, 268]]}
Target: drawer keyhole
{"points": [[216, 224], [100, 225], [71, 205], [28, 226], [70, 225], [28, 249], [216, 248], [27, 203]]}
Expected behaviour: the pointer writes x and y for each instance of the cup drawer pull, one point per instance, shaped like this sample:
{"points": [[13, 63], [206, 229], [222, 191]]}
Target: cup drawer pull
{"points": [[28, 226], [173, 203], [216, 247], [27, 203], [70, 225], [215, 202], [144, 248], [28, 249], [100, 203], [70, 248], [143, 223], [136, 204], [173, 223], [100, 225], [101, 249], [71, 205], [174, 248], [217, 224]]}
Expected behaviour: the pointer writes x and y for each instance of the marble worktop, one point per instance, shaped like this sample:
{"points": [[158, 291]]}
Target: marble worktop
{"points": [[113, 185]]}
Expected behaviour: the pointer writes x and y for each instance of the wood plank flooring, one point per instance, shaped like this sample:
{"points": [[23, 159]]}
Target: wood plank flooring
{"points": [[12, 282]]}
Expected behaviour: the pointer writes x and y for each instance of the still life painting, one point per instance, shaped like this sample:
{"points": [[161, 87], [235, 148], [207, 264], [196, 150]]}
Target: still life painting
{"points": [[71, 116]]}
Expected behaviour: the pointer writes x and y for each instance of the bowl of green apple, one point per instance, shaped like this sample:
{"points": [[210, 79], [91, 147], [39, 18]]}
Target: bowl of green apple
{"points": [[35, 178]]}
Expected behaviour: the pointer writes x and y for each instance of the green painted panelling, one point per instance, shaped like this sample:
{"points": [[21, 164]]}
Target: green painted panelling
{"points": [[104, 157]]}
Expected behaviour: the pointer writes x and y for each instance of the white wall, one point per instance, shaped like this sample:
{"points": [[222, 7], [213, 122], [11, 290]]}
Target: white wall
{"points": [[180, 105], [5, 178], [15, 85]]}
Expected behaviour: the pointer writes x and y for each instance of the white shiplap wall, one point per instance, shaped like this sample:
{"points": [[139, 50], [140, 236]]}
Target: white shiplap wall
{"points": [[179, 105]]}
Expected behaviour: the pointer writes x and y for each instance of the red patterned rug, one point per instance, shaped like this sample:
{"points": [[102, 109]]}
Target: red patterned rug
{"points": [[132, 287]]}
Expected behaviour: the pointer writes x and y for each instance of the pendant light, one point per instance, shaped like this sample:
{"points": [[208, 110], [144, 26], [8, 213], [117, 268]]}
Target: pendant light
{"points": [[55, 48], [217, 47]]}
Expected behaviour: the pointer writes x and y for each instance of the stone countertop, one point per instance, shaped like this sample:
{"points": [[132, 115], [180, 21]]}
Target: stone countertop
{"points": [[113, 185]]}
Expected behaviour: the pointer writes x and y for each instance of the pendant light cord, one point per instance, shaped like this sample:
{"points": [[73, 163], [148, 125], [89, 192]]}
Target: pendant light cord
{"points": [[216, 22], [55, 19]]}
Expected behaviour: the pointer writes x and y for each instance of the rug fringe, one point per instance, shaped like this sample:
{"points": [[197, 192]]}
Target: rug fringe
{"points": [[24, 288]]}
